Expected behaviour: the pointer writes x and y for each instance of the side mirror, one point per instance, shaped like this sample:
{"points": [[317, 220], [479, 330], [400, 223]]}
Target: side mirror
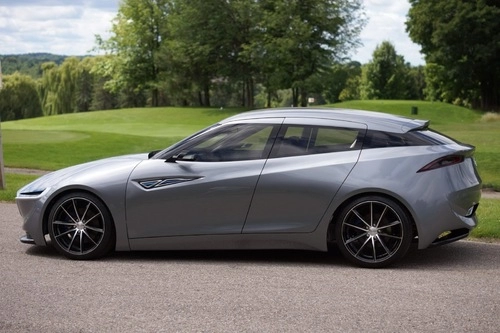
{"points": [[153, 153]]}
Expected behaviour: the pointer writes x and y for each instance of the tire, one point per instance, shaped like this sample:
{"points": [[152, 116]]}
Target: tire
{"points": [[80, 227], [373, 232]]}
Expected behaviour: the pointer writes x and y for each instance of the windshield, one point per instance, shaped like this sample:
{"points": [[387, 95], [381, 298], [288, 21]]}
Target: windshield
{"points": [[164, 152]]}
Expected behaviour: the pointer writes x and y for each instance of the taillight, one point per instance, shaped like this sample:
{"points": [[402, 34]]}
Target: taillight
{"points": [[443, 162]]}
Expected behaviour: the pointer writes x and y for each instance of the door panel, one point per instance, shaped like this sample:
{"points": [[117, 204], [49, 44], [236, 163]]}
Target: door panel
{"points": [[195, 197], [309, 162], [204, 185], [293, 193]]}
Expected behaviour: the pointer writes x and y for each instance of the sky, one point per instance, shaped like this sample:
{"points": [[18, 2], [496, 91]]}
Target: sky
{"points": [[68, 27]]}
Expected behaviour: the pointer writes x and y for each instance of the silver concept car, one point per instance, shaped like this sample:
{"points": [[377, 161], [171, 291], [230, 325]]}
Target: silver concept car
{"points": [[369, 182]]}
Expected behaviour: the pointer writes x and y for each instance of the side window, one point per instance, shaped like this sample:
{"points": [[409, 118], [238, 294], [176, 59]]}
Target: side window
{"points": [[231, 143], [331, 139], [306, 140]]}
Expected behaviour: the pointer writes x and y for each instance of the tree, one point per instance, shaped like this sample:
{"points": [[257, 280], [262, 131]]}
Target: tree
{"points": [[299, 39], [384, 76], [19, 98], [59, 86], [48, 88], [341, 77], [85, 84], [463, 38], [204, 51], [138, 31]]}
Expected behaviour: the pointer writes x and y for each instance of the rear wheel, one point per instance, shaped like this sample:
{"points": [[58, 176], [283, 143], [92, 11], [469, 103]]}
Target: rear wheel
{"points": [[373, 231], [80, 227]]}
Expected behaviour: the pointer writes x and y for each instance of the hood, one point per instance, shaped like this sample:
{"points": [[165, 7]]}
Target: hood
{"points": [[78, 173]]}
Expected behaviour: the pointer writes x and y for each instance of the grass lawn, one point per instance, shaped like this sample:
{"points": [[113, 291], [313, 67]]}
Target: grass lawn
{"points": [[489, 219], [14, 182], [50, 143]]}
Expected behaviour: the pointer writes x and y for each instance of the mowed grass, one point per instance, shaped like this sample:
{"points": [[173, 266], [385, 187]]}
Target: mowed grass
{"points": [[489, 219], [14, 182], [50, 143]]}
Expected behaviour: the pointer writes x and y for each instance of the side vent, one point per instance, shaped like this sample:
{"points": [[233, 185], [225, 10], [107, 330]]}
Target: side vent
{"points": [[149, 184]]}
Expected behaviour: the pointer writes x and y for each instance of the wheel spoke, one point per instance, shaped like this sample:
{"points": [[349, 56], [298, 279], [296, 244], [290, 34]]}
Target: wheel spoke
{"points": [[381, 216], [371, 214], [76, 210], [355, 227], [81, 241], [69, 215], [93, 217], [362, 246], [374, 248], [383, 245], [390, 225], [85, 212], [350, 240], [100, 230], [63, 223], [359, 217], [65, 233], [88, 236], [389, 236], [72, 240]]}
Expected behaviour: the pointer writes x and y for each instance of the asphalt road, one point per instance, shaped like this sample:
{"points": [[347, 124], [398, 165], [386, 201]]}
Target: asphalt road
{"points": [[454, 288]]}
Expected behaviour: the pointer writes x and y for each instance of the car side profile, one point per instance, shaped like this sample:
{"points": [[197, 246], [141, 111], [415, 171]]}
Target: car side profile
{"points": [[368, 182]]}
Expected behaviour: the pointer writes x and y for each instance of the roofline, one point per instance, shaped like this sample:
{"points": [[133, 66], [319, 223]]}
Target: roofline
{"points": [[373, 119]]}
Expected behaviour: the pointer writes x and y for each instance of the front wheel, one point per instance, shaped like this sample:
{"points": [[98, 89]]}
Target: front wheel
{"points": [[80, 227], [373, 231]]}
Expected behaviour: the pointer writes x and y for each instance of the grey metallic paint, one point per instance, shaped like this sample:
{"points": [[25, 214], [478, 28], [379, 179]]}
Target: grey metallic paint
{"points": [[227, 204]]}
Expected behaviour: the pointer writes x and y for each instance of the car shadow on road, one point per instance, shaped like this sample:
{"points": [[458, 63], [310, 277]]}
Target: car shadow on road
{"points": [[452, 256]]}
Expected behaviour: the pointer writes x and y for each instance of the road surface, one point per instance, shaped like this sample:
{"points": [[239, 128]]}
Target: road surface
{"points": [[454, 288]]}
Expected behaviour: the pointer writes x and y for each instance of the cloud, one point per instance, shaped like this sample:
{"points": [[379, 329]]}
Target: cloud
{"points": [[53, 26], [387, 22]]}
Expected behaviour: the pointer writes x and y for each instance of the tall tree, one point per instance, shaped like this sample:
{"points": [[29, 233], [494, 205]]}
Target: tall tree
{"points": [[48, 88], [85, 84], [384, 76], [301, 38], [205, 48], [58, 86], [463, 37], [138, 31]]}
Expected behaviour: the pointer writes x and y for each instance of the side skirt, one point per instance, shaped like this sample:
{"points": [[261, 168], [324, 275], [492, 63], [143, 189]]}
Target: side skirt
{"points": [[289, 241]]}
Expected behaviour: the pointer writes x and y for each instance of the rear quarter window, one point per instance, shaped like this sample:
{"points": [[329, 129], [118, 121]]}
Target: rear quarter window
{"points": [[379, 139]]}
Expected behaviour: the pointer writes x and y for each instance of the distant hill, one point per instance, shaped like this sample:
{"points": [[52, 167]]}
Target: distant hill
{"points": [[29, 64]]}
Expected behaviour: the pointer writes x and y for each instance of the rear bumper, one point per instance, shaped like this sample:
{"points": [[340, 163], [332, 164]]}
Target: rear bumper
{"points": [[450, 237]]}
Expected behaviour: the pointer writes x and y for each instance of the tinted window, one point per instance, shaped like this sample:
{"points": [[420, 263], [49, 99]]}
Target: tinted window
{"points": [[230, 143], [378, 139], [303, 140], [435, 137]]}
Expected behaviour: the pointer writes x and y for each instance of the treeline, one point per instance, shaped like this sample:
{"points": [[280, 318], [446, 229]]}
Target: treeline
{"points": [[259, 54], [29, 64], [77, 85]]}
